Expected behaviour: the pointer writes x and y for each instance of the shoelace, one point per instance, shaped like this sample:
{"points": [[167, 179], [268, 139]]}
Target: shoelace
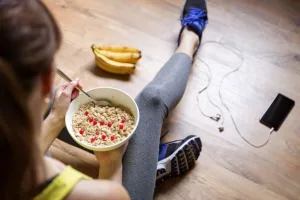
{"points": [[194, 15]]}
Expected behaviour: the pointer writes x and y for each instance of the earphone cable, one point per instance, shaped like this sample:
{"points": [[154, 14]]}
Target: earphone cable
{"points": [[209, 76]]}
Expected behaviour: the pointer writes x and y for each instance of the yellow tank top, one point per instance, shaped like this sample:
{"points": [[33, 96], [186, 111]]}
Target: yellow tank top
{"points": [[62, 185]]}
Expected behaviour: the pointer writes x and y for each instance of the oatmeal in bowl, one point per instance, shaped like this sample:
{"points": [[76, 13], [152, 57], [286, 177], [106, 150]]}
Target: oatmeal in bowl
{"points": [[102, 128], [102, 125]]}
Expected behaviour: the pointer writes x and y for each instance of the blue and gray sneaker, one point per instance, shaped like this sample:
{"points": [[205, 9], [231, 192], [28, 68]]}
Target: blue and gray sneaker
{"points": [[194, 16], [177, 157]]}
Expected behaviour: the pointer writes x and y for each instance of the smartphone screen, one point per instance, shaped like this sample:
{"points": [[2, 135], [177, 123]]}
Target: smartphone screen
{"points": [[277, 112]]}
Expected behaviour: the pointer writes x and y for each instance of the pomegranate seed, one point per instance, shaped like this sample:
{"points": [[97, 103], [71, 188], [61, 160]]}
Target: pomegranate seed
{"points": [[97, 133], [121, 126], [81, 131], [93, 140], [103, 137], [91, 120], [86, 113], [109, 124], [112, 138], [123, 121], [101, 123], [94, 123]]}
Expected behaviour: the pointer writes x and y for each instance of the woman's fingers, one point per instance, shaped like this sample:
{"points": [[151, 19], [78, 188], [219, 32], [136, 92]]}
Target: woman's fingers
{"points": [[69, 90], [59, 90], [75, 92], [71, 86], [63, 97]]}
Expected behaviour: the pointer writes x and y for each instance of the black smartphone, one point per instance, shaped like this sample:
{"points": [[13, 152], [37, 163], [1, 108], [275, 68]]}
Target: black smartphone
{"points": [[277, 112]]}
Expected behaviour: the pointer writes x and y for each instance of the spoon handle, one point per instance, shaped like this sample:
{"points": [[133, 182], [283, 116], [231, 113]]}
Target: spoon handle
{"points": [[66, 78]]}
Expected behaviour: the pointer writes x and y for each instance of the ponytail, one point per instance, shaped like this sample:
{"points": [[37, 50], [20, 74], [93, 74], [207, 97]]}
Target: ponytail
{"points": [[16, 138], [29, 40]]}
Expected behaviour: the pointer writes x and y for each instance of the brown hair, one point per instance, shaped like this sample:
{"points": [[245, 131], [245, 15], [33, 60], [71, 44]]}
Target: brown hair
{"points": [[29, 38]]}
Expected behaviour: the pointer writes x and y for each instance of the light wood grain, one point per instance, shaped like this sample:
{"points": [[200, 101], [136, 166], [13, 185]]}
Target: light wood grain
{"points": [[268, 34]]}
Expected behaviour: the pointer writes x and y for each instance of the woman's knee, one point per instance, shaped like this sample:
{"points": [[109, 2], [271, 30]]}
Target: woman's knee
{"points": [[151, 95]]}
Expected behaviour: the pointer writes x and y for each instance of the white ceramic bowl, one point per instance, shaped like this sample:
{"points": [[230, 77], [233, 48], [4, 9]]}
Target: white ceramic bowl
{"points": [[117, 97]]}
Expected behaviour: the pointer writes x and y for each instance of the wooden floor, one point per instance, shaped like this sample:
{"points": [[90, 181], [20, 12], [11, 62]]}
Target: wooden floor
{"points": [[268, 34]]}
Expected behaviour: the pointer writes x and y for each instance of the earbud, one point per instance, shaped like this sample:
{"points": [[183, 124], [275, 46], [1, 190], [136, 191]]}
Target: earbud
{"points": [[216, 118], [221, 128]]}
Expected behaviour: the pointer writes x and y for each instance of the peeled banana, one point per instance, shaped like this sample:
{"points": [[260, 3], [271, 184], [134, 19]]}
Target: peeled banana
{"points": [[116, 59]]}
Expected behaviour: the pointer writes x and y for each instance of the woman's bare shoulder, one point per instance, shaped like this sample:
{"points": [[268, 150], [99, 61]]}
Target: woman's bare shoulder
{"points": [[98, 190]]}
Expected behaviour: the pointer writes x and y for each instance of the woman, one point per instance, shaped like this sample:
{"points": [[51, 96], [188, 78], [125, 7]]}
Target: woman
{"points": [[30, 38]]}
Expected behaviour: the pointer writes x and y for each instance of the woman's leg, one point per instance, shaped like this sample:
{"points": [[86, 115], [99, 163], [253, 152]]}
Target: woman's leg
{"points": [[156, 100]]}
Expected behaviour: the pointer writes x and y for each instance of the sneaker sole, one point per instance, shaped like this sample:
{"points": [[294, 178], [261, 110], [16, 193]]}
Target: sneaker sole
{"points": [[181, 161]]}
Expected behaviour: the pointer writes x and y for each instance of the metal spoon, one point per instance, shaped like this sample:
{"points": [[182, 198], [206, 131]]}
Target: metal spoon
{"points": [[97, 102]]}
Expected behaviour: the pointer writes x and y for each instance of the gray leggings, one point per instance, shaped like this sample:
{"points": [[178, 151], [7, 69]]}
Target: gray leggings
{"points": [[155, 101]]}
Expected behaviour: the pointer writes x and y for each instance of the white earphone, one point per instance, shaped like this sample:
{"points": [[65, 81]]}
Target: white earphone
{"points": [[220, 117]]}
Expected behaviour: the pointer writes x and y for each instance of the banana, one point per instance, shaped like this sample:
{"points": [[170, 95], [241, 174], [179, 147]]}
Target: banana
{"points": [[116, 59], [114, 66], [126, 57], [117, 48]]}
